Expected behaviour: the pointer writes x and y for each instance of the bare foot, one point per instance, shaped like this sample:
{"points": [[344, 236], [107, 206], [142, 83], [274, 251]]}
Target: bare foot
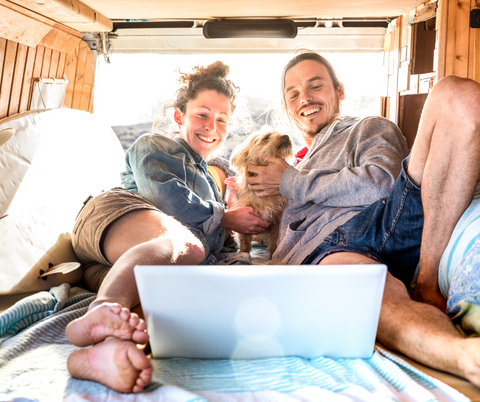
{"points": [[115, 363], [106, 319]]}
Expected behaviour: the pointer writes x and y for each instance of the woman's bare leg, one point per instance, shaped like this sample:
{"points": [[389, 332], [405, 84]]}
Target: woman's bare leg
{"points": [[143, 237]]}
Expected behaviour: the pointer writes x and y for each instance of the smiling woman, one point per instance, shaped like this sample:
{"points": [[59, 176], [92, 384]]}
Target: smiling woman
{"points": [[169, 211], [205, 122]]}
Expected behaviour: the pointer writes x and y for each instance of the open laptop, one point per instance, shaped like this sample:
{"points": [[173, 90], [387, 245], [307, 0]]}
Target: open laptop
{"points": [[255, 311]]}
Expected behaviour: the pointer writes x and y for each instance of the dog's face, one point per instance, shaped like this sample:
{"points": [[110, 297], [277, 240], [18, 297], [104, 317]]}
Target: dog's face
{"points": [[257, 147]]}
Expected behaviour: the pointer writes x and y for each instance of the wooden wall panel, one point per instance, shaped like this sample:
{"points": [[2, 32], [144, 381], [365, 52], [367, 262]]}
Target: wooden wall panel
{"points": [[20, 65], [7, 76], [16, 91], [459, 45], [27, 80]]}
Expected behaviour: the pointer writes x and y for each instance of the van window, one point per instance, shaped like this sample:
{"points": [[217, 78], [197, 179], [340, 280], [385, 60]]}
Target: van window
{"points": [[130, 90]]}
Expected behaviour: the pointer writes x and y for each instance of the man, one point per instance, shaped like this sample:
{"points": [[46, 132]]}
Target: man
{"points": [[352, 163]]}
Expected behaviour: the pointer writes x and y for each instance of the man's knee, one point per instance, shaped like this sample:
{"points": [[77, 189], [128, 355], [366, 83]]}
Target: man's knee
{"points": [[460, 97]]}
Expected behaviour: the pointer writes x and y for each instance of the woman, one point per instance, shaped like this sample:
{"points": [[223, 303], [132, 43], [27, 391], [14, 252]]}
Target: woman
{"points": [[166, 188]]}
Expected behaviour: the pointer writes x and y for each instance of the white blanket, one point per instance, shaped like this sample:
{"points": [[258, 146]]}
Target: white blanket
{"points": [[34, 350]]}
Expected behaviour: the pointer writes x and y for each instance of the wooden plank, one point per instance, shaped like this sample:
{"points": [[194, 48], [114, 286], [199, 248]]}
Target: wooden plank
{"points": [[73, 13], [16, 91], [27, 80], [458, 32], [79, 88], [7, 77], [52, 73], [70, 72], [38, 17], [47, 57], [58, 40], [442, 28], [87, 93], [3, 46], [61, 65], [21, 28], [31, 29], [37, 70], [474, 50], [61, 10]]}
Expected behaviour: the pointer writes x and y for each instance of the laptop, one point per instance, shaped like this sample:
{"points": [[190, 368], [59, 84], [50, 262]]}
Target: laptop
{"points": [[261, 311]]}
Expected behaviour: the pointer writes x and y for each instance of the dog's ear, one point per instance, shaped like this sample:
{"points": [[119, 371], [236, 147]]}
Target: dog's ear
{"points": [[240, 154]]}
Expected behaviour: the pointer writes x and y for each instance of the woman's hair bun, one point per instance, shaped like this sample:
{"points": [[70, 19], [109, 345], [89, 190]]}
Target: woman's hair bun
{"points": [[215, 70]]}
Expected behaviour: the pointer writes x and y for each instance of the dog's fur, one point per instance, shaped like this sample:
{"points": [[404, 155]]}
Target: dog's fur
{"points": [[253, 151]]}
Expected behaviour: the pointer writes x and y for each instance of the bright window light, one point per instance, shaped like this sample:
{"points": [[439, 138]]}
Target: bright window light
{"points": [[129, 90]]}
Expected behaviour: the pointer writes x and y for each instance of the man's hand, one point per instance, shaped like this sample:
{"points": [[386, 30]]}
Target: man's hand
{"points": [[430, 295], [266, 179], [244, 220]]}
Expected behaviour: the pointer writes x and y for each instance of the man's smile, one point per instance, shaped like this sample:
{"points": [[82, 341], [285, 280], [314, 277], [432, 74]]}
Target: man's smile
{"points": [[310, 111]]}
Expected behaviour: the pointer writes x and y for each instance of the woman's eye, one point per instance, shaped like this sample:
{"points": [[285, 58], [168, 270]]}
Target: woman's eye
{"points": [[202, 115]]}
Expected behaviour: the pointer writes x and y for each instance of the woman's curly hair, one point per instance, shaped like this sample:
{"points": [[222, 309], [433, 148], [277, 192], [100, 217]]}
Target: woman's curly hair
{"points": [[210, 78]]}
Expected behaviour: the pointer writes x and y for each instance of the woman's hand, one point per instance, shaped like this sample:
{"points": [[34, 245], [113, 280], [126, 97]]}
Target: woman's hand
{"points": [[244, 220], [232, 185]]}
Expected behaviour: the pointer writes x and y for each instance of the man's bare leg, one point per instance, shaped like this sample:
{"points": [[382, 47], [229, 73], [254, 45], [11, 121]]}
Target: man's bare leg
{"points": [[142, 237], [418, 330], [445, 161]]}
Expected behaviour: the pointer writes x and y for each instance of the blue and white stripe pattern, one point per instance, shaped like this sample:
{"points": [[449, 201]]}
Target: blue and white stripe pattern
{"points": [[33, 368], [460, 253]]}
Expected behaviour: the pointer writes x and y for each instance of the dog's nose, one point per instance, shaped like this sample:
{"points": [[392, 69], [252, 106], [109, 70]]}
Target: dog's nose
{"points": [[285, 136]]}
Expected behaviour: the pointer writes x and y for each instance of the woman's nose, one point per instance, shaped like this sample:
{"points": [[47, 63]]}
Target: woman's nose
{"points": [[210, 125]]}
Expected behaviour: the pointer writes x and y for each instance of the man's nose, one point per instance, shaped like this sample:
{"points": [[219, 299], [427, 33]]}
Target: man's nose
{"points": [[305, 96]]}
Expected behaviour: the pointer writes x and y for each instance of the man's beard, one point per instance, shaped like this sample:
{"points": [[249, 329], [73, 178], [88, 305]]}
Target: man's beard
{"points": [[311, 133]]}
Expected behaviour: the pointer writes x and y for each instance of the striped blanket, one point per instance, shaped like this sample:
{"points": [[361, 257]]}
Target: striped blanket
{"points": [[34, 349]]}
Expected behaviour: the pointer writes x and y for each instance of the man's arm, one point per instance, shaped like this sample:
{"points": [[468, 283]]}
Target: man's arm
{"points": [[377, 148]]}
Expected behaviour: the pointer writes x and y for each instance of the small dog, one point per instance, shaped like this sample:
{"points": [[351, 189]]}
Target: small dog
{"points": [[253, 151]]}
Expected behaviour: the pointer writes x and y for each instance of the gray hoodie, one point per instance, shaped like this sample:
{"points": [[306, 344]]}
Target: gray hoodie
{"points": [[344, 171]]}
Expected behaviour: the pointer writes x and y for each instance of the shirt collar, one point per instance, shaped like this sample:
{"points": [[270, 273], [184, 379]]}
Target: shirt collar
{"points": [[196, 157]]}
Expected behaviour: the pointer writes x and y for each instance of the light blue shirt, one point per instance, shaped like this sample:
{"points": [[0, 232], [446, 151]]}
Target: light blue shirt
{"points": [[174, 178]]}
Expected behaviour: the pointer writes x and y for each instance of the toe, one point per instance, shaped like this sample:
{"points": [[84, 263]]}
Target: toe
{"points": [[125, 314], [134, 320]]}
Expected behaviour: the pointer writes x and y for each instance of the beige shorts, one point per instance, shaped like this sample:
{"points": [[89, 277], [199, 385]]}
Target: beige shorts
{"points": [[92, 220]]}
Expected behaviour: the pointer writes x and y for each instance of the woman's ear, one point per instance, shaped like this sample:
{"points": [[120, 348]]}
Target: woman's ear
{"points": [[177, 116]]}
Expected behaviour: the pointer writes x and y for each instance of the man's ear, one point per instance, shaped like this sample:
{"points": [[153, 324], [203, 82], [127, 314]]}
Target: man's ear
{"points": [[341, 92], [177, 116]]}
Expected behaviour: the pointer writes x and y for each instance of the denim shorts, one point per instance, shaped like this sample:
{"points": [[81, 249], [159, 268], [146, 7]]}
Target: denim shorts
{"points": [[389, 231]]}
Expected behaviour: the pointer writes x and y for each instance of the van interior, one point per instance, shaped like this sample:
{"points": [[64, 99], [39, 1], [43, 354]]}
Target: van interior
{"points": [[56, 149]]}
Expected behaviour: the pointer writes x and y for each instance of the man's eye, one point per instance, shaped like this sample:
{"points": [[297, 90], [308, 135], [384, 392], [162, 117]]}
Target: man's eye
{"points": [[292, 97]]}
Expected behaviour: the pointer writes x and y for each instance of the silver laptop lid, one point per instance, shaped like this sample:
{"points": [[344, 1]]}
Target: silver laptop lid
{"points": [[243, 312]]}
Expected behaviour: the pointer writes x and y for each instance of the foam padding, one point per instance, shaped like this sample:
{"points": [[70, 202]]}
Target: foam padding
{"points": [[53, 162]]}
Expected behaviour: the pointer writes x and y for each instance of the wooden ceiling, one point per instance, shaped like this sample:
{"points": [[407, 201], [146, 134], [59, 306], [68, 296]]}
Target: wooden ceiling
{"points": [[207, 9]]}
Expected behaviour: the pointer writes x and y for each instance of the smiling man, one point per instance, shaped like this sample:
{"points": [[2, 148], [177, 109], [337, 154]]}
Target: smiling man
{"points": [[355, 199]]}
